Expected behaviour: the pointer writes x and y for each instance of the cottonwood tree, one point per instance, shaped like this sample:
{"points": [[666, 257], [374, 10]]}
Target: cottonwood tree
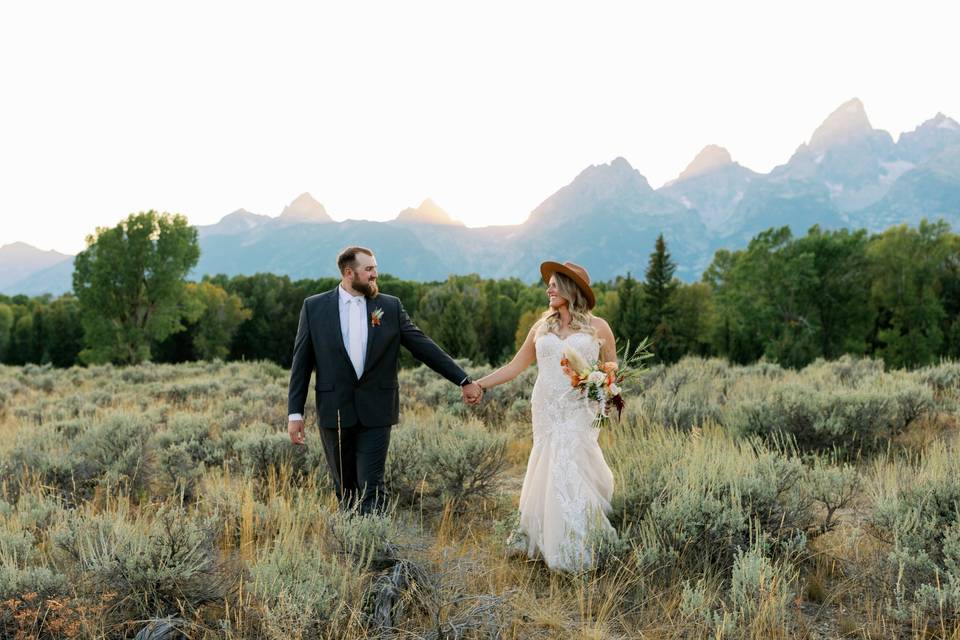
{"points": [[130, 284]]}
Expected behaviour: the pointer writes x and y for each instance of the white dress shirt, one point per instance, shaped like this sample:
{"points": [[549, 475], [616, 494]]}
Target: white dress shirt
{"points": [[346, 299]]}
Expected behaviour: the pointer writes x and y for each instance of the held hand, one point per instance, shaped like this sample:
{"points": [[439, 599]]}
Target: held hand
{"points": [[472, 393], [297, 433]]}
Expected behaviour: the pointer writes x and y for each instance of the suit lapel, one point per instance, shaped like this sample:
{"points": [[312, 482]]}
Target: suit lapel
{"points": [[372, 332], [333, 313]]}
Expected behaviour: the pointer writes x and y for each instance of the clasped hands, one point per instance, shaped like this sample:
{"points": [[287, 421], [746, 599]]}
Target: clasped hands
{"points": [[472, 393]]}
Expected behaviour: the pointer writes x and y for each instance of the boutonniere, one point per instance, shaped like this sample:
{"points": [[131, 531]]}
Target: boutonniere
{"points": [[375, 317]]}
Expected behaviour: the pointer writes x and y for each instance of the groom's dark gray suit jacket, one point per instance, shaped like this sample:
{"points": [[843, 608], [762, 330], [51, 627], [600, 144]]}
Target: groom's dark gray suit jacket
{"points": [[374, 398]]}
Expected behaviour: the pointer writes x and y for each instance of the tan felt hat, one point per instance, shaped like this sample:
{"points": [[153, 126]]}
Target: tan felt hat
{"points": [[573, 271]]}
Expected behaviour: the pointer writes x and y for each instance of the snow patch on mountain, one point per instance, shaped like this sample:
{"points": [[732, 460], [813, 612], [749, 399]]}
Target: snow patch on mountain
{"points": [[894, 170]]}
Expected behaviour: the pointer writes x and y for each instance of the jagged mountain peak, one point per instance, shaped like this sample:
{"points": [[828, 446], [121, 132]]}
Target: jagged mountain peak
{"points": [[18, 249], [938, 125], [305, 208], [240, 213], [429, 212], [607, 217], [17, 246], [18, 260], [929, 139], [847, 122], [235, 222], [616, 174], [710, 158], [941, 121]]}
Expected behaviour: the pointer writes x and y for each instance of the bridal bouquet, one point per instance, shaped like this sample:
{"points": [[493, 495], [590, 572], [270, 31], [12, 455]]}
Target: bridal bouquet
{"points": [[602, 382]]}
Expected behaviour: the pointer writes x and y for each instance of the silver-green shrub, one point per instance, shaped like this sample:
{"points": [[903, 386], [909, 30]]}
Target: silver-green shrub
{"points": [[300, 588], [825, 418], [833, 485], [368, 539], [503, 404], [943, 377], [916, 511], [444, 461], [160, 560], [761, 591], [692, 500], [108, 452], [686, 395]]}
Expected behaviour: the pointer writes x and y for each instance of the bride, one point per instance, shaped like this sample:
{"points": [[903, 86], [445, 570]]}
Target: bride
{"points": [[568, 485]]}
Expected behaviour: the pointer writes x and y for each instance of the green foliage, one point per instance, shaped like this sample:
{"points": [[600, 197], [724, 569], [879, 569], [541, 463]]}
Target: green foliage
{"points": [[63, 332], [907, 268], [6, 329], [841, 304], [657, 310], [214, 319], [500, 319], [222, 315], [784, 299], [628, 323], [451, 313], [693, 317], [524, 324], [129, 282], [274, 302], [792, 300]]}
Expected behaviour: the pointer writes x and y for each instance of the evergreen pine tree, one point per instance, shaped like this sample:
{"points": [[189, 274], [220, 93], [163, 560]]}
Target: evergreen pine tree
{"points": [[628, 323], [656, 304]]}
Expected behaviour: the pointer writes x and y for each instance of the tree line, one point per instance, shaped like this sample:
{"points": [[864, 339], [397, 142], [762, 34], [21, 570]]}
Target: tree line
{"points": [[893, 295]]}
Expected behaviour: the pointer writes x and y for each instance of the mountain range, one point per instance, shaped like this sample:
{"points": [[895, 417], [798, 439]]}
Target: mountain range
{"points": [[607, 218]]}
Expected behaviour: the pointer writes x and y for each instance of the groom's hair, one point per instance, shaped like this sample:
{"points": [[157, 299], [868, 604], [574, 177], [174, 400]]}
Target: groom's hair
{"points": [[348, 257]]}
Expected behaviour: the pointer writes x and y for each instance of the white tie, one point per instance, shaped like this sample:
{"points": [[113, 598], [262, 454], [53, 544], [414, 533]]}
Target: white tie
{"points": [[356, 339]]}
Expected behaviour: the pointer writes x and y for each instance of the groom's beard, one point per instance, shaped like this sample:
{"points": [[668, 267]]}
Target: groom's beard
{"points": [[368, 289]]}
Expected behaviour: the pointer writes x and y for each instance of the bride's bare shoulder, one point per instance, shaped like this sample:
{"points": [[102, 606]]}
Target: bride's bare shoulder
{"points": [[599, 323], [536, 331], [604, 332]]}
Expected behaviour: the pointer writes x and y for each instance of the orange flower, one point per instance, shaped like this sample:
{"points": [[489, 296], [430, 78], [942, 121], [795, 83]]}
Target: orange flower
{"points": [[575, 378], [610, 367]]}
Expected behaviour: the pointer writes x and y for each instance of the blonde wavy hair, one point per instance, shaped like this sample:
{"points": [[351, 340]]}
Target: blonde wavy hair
{"points": [[580, 316]]}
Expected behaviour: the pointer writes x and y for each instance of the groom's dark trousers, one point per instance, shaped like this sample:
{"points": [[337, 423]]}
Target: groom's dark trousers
{"points": [[355, 413], [357, 458]]}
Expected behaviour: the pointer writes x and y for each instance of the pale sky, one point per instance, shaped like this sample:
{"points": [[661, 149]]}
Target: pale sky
{"points": [[488, 108]]}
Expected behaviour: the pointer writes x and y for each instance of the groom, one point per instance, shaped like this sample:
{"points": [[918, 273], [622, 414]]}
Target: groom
{"points": [[352, 336]]}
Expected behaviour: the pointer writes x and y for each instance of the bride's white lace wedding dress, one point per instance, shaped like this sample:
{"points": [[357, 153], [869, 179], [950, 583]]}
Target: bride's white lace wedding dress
{"points": [[568, 485]]}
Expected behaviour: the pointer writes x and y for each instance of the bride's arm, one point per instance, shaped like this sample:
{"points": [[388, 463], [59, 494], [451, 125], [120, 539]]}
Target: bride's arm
{"points": [[524, 358], [608, 352]]}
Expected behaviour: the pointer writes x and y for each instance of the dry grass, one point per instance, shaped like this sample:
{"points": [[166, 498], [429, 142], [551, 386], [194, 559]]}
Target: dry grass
{"points": [[449, 570]]}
